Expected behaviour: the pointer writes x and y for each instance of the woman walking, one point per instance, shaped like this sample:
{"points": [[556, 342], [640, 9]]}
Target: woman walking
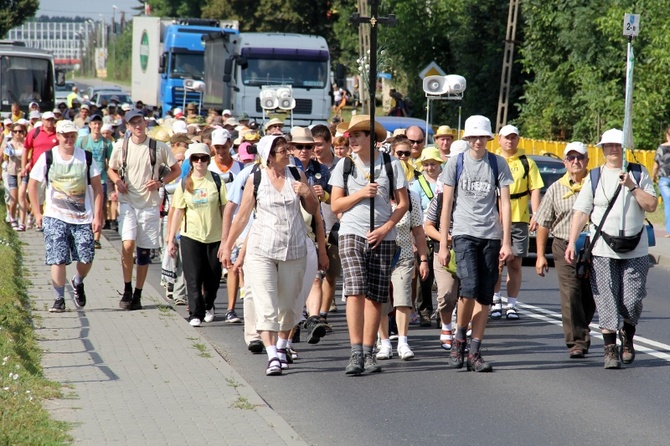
{"points": [[17, 183]]}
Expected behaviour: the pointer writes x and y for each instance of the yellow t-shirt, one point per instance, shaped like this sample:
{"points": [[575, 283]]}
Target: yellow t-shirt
{"points": [[203, 214], [520, 210]]}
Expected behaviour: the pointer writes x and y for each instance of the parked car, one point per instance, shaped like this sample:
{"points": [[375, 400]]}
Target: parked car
{"points": [[551, 170], [63, 90], [93, 90], [392, 123], [103, 98]]}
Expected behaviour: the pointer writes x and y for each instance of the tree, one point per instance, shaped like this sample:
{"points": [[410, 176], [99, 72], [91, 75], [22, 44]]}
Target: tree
{"points": [[14, 13]]}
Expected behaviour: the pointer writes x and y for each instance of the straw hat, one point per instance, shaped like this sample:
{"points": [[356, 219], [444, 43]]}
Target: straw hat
{"points": [[431, 154], [301, 135], [444, 130], [361, 123]]}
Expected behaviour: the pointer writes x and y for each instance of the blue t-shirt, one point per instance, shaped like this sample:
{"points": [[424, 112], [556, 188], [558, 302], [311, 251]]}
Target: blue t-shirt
{"points": [[101, 150]]}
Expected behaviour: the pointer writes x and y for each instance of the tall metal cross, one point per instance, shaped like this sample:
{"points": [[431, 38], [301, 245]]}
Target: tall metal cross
{"points": [[356, 19]]}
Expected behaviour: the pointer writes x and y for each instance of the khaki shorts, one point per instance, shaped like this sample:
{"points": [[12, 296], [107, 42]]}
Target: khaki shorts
{"points": [[140, 225]]}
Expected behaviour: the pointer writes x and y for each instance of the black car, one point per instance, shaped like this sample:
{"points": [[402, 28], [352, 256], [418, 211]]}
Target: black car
{"points": [[551, 170]]}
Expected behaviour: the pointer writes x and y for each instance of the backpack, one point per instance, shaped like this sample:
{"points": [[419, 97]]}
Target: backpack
{"points": [[124, 152], [105, 145], [635, 168], [49, 158], [217, 181], [257, 177], [386, 158], [493, 162], [526, 169]]}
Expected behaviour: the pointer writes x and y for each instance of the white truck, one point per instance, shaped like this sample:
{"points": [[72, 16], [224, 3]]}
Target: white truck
{"points": [[239, 68]]}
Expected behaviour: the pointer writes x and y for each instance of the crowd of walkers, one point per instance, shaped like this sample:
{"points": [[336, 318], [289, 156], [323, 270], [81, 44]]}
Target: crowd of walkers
{"points": [[282, 214]]}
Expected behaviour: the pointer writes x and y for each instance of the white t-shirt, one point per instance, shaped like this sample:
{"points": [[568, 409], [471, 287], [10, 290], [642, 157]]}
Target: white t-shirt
{"points": [[69, 197], [235, 169]]}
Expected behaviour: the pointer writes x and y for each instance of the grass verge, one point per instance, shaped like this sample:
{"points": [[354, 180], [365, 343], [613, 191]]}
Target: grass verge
{"points": [[23, 420]]}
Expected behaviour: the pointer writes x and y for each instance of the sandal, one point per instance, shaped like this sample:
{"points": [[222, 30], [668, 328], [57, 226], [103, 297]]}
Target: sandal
{"points": [[21, 228], [511, 313], [446, 338], [284, 358], [274, 367]]}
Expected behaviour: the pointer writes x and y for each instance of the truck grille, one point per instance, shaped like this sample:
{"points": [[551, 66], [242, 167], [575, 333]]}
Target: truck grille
{"points": [[302, 106], [178, 96]]}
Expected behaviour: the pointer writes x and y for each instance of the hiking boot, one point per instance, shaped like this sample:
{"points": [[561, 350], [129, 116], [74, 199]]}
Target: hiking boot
{"points": [[477, 364], [356, 364], [296, 334], [612, 357], [627, 349], [79, 294], [370, 365], [58, 306], [136, 303], [315, 330], [126, 300], [324, 321], [424, 319], [457, 353]]}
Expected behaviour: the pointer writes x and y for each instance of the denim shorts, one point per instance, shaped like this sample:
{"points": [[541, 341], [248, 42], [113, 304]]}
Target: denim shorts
{"points": [[67, 242], [477, 267], [12, 182]]}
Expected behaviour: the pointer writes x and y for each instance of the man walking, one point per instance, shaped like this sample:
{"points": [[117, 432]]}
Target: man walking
{"points": [[137, 170], [527, 185], [555, 216], [73, 211]]}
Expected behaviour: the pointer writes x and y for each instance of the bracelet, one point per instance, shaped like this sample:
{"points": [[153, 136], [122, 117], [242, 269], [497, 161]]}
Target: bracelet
{"points": [[423, 260], [634, 187]]}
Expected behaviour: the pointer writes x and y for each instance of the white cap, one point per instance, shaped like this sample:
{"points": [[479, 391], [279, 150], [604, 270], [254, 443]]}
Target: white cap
{"points": [[66, 127], [575, 146], [34, 115], [57, 110], [611, 136], [227, 112], [126, 107], [457, 147], [7, 121], [176, 111], [48, 115], [179, 127], [35, 104], [107, 128], [508, 130], [477, 125], [220, 137], [23, 121]]}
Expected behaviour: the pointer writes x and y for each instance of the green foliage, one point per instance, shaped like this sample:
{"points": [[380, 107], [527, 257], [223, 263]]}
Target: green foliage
{"points": [[14, 13], [174, 8], [120, 51]]}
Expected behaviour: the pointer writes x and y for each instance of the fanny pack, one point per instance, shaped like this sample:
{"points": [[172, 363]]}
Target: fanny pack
{"points": [[622, 243]]}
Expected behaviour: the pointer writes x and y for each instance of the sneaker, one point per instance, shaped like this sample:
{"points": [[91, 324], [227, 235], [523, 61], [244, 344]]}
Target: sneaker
{"points": [[209, 314], [385, 352], [496, 310], [126, 300], [627, 349], [414, 318], [456, 357], [179, 301], [79, 294], [424, 319], [370, 365], [324, 321], [256, 347], [136, 303], [231, 317], [405, 352], [195, 322], [58, 306], [511, 313], [315, 330], [274, 367], [477, 364], [96, 244], [356, 365], [612, 357]]}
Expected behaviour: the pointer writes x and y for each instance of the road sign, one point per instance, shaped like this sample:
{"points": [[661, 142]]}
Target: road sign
{"points": [[631, 25], [432, 69]]}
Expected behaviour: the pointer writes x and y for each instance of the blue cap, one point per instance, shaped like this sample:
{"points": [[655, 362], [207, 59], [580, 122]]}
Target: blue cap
{"points": [[133, 114]]}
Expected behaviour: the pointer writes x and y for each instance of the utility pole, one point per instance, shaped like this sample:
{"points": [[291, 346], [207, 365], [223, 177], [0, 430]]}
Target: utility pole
{"points": [[373, 20], [508, 58], [363, 51]]}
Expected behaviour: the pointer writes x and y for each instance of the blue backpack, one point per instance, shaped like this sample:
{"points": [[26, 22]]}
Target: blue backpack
{"points": [[493, 162]]}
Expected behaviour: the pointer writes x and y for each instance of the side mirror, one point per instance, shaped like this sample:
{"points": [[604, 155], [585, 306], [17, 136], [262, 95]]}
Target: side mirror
{"points": [[162, 63], [242, 62], [60, 77], [227, 70]]}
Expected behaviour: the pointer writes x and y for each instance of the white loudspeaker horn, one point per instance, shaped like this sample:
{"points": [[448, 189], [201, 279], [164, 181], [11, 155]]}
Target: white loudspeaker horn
{"points": [[435, 85], [287, 103], [455, 84], [269, 99]]}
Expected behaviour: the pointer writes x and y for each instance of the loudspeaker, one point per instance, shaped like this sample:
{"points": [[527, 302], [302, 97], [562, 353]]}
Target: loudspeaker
{"points": [[455, 84], [269, 99], [435, 85]]}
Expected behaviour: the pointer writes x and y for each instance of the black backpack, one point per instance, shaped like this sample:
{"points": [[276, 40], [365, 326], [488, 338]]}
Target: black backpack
{"points": [[49, 158]]}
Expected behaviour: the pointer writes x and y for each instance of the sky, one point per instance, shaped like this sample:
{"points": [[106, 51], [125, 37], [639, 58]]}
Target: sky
{"points": [[92, 9]]}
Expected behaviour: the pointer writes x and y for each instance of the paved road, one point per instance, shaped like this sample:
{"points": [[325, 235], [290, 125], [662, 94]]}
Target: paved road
{"points": [[535, 396]]}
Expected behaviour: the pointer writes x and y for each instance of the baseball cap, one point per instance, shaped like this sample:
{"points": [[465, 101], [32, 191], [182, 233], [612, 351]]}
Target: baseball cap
{"points": [[227, 112], [125, 107], [49, 115], [243, 152], [96, 117], [508, 130], [133, 114], [107, 128], [232, 122], [477, 125], [179, 127], [575, 146], [34, 115], [85, 107], [220, 137], [7, 121], [66, 127]]}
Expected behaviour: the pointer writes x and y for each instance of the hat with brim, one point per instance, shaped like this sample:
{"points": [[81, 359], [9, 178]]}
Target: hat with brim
{"points": [[477, 125], [232, 122], [361, 123], [444, 130], [611, 136], [48, 115], [197, 148], [431, 154], [66, 127], [273, 121], [457, 147], [180, 138], [342, 127], [134, 113], [107, 128], [265, 146], [96, 118], [301, 135]]}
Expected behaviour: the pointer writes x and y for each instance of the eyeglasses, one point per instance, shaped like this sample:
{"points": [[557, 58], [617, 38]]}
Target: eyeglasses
{"points": [[18, 131], [282, 150], [403, 153], [415, 141], [302, 147], [571, 158], [200, 158], [474, 138]]}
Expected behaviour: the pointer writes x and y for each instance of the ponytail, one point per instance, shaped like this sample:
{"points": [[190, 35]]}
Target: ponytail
{"points": [[188, 181]]}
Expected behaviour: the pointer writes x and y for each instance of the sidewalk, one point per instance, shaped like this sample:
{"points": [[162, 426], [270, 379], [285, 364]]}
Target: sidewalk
{"points": [[661, 252], [142, 377]]}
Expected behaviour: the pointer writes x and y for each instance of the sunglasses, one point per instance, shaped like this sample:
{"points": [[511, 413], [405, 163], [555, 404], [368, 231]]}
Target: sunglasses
{"points": [[415, 141], [201, 158], [403, 153], [575, 157], [302, 147], [17, 131]]}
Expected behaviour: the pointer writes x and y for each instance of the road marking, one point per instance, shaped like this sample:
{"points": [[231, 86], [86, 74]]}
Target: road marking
{"points": [[554, 318]]}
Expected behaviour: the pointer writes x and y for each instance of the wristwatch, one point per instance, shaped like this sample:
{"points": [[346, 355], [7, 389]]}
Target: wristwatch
{"points": [[634, 187]]}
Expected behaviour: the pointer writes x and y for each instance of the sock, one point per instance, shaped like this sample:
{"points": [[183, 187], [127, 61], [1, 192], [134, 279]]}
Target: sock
{"points": [[271, 351], [281, 343], [496, 297], [356, 348], [402, 340], [323, 314], [78, 279], [289, 343], [386, 343], [60, 292], [461, 333], [367, 350], [609, 338], [138, 292], [447, 327], [629, 330], [511, 301], [475, 345], [128, 286]]}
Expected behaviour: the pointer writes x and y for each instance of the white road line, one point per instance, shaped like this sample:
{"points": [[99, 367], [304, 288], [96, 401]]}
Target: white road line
{"points": [[554, 318]]}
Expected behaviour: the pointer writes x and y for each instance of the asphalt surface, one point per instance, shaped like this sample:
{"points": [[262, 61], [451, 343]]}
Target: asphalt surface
{"points": [[536, 395]]}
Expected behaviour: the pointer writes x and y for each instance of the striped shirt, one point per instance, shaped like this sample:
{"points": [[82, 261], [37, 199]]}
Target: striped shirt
{"points": [[278, 231], [555, 212]]}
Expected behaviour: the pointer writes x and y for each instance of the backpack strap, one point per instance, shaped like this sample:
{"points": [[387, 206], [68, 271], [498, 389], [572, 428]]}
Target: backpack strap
{"points": [[49, 159], [634, 168], [347, 168], [295, 173], [152, 155], [89, 161], [217, 181], [257, 182], [386, 158], [459, 169], [526, 166], [493, 162], [426, 187]]}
